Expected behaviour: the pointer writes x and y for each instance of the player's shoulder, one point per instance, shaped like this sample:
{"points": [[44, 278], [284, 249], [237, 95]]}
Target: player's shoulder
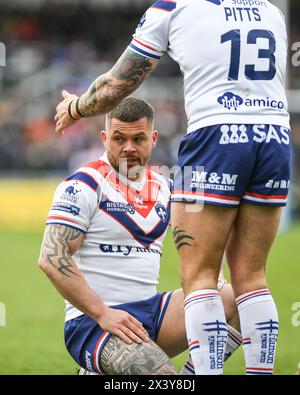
{"points": [[276, 12], [165, 7], [90, 174], [98, 168]]}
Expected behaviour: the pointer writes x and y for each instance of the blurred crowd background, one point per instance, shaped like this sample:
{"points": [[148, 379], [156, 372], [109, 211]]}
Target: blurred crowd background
{"points": [[54, 45]]}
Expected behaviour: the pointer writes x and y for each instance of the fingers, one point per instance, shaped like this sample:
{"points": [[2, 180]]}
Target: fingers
{"points": [[139, 326], [59, 129], [65, 94], [62, 118], [130, 336], [62, 121], [129, 329], [123, 337], [139, 334]]}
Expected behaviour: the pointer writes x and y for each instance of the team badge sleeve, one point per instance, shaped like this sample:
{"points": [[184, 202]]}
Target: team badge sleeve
{"points": [[74, 202]]}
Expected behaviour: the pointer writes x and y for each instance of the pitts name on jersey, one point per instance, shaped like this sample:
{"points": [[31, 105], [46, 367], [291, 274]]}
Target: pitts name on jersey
{"points": [[249, 12], [240, 14]]}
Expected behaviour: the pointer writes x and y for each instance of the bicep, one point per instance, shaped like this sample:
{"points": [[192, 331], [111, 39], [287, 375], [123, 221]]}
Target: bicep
{"points": [[60, 237], [59, 244]]}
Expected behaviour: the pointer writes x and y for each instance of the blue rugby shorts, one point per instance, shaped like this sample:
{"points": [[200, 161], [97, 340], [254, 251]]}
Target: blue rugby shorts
{"points": [[225, 165], [85, 339]]}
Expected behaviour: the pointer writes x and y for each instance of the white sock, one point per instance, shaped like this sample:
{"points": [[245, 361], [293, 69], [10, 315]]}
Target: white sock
{"points": [[234, 340], [206, 330], [188, 368], [259, 326]]}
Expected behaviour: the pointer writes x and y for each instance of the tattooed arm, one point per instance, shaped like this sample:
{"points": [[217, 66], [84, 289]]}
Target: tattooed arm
{"points": [[59, 244], [118, 357], [110, 89], [107, 91]]}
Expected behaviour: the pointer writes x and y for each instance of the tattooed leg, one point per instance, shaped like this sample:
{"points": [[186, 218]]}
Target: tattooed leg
{"points": [[118, 357], [181, 238], [201, 238]]}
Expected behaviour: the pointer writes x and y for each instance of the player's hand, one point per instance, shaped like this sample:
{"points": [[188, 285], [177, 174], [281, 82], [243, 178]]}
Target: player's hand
{"points": [[62, 118], [123, 325]]}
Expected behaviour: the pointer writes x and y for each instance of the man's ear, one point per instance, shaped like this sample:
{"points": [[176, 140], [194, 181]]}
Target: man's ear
{"points": [[154, 138], [103, 135]]}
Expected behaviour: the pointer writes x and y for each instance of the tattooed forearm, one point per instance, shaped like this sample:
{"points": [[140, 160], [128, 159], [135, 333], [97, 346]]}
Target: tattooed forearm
{"points": [[118, 357], [110, 89], [181, 238], [132, 68], [55, 247]]}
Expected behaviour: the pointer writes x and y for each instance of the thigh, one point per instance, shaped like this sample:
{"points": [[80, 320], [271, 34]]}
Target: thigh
{"points": [[172, 334], [200, 238], [250, 242], [120, 358]]}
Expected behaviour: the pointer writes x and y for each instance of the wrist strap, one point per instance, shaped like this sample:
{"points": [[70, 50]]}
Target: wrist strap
{"points": [[77, 108], [70, 112]]}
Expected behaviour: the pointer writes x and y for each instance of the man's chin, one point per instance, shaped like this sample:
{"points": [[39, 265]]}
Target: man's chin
{"points": [[132, 170]]}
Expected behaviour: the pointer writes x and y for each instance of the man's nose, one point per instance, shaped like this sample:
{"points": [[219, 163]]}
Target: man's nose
{"points": [[129, 146]]}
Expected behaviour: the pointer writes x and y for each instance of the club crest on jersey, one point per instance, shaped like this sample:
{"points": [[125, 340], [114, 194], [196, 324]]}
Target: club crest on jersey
{"points": [[161, 212], [71, 193], [139, 200], [217, 2], [230, 101]]}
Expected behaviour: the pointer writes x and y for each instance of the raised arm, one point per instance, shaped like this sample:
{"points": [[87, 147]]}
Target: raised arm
{"points": [[107, 91], [59, 244]]}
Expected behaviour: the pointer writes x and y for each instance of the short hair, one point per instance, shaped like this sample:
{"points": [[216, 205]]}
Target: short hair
{"points": [[131, 109]]}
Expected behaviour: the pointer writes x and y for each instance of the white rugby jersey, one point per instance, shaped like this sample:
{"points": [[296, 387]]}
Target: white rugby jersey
{"points": [[124, 224], [232, 54]]}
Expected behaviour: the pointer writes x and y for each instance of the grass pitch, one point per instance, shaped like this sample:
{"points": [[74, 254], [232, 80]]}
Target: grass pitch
{"points": [[32, 340]]}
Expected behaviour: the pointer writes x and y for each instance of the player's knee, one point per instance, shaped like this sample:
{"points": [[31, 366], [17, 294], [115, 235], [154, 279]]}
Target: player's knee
{"points": [[193, 277]]}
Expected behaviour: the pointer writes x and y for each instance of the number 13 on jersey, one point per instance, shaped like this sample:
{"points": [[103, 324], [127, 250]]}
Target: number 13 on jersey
{"points": [[251, 71]]}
